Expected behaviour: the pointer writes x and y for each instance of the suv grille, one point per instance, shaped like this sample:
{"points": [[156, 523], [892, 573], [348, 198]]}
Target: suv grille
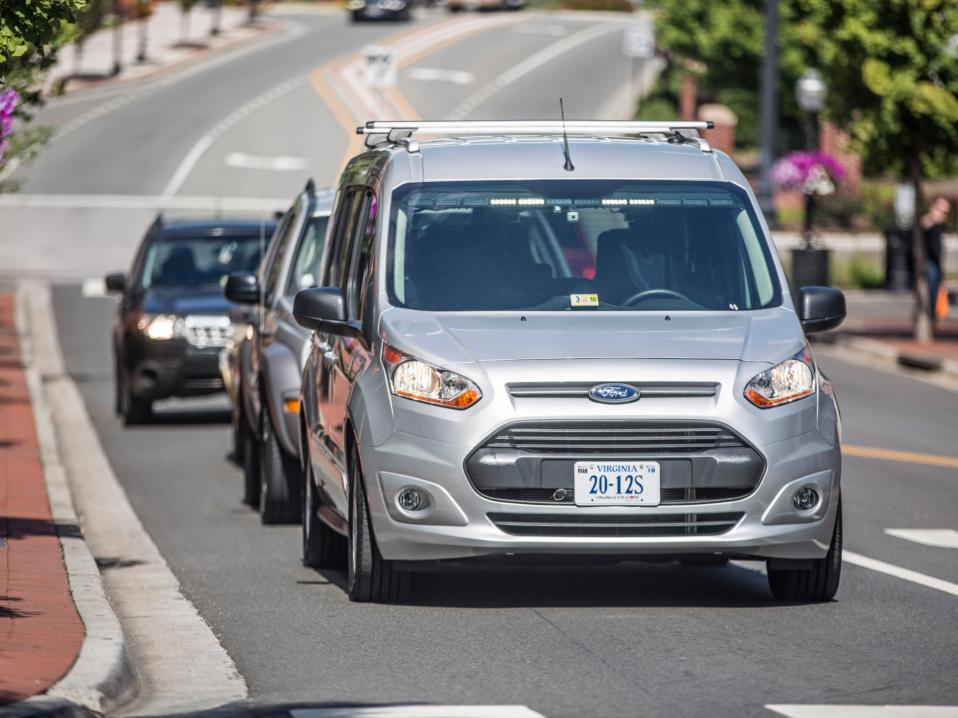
{"points": [[576, 524], [204, 331], [619, 437]]}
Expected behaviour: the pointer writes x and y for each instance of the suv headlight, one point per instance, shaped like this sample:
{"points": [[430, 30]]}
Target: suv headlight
{"points": [[159, 327], [793, 379], [415, 379]]}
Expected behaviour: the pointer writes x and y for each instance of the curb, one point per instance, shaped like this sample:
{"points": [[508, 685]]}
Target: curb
{"points": [[263, 31], [102, 677]]}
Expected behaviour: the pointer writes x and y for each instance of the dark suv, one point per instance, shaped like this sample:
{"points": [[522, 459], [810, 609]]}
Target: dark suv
{"points": [[172, 320], [269, 360]]}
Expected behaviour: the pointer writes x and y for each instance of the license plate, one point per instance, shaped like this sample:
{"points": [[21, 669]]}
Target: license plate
{"points": [[615, 482]]}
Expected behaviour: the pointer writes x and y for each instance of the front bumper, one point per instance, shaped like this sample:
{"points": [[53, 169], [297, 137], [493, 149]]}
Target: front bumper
{"points": [[173, 368], [458, 522]]}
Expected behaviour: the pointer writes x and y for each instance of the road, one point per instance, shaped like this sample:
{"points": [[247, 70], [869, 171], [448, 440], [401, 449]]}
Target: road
{"points": [[628, 640]]}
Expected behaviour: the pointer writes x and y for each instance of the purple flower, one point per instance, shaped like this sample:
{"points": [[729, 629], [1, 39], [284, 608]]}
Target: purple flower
{"points": [[808, 172], [8, 103]]}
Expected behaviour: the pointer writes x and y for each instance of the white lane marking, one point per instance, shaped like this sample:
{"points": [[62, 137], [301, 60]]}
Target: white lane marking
{"points": [[939, 538], [141, 201], [93, 287], [437, 74], [554, 30], [220, 128], [862, 711], [277, 163], [418, 711], [533, 62], [856, 559]]}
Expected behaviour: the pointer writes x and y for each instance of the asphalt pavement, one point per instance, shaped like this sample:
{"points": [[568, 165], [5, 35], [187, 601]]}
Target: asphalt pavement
{"points": [[586, 640]]}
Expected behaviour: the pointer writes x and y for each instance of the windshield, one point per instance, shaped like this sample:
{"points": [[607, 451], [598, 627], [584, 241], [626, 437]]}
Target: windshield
{"points": [[193, 262], [309, 254], [573, 245]]}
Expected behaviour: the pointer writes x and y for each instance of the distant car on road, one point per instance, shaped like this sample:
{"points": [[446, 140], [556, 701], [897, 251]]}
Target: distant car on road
{"points": [[460, 5], [172, 319], [473, 391], [269, 360], [360, 10]]}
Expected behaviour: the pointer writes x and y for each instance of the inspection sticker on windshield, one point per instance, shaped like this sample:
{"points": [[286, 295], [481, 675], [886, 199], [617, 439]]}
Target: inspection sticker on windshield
{"points": [[584, 300], [615, 482]]}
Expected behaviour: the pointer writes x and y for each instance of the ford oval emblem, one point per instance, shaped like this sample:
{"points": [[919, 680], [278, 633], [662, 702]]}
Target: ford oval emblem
{"points": [[614, 393]]}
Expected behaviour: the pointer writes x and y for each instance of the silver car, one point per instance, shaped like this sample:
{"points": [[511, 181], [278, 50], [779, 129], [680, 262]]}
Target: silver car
{"points": [[527, 343]]}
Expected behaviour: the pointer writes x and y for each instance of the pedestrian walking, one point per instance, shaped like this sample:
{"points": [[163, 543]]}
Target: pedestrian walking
{"points": [[932, 229]]}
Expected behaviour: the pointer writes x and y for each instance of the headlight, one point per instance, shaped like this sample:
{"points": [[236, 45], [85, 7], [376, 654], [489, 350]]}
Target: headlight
{"points": [[793, 379], [158, 327], [418, 380]]}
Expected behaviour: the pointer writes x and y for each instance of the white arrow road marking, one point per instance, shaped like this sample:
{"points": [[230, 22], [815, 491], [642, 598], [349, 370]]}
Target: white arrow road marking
{"points": [[436, 74], [554, 30], [418, 711], [279, 163], [856, 559], [860, 711], [94, 287], [939, 538]]}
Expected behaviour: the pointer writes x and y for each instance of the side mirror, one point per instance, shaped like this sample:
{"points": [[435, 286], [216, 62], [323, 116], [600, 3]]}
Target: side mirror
{"points": [[242, 288], [323, 309], [820, 308], [115, 282]]}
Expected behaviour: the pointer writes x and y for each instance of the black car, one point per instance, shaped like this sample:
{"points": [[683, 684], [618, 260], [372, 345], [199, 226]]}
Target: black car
{"points": [[172, 320], [360, 10]]}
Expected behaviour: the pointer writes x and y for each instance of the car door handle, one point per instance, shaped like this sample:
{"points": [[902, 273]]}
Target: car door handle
{"points": [[330, 359]]}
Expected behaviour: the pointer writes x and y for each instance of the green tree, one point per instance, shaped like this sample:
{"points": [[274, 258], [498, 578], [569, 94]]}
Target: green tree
{"points": [[186, 8], [89, 19], [30, 35], [892, 72]]}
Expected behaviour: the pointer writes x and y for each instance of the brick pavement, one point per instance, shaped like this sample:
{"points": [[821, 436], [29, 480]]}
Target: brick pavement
{"points": [[40, 630]]}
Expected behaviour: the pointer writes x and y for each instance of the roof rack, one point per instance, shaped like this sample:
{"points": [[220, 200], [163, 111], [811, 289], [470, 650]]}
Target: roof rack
{"points": [[400, 131]]}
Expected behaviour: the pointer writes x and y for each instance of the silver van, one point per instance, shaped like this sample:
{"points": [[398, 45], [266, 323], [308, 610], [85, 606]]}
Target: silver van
{"points": [[547, 338]]}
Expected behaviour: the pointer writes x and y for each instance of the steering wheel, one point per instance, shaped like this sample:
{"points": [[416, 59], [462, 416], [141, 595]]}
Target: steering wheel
{"points": [[649, 293]]}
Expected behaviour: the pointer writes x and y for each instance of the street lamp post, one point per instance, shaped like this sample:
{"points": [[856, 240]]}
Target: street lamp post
{"points": [[768, 111], [810, 93], [810, 264]]}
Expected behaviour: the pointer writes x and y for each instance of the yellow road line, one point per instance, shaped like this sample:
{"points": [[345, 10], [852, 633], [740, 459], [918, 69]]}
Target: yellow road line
{"points": [[317, 77], [910, 457]]}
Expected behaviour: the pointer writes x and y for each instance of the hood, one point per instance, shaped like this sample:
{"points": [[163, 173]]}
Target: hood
{"points": [[768, 335], [205, 300]]}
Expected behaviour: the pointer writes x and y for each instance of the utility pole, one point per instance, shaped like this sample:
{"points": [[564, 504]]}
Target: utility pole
{"points": [[769, 111]]}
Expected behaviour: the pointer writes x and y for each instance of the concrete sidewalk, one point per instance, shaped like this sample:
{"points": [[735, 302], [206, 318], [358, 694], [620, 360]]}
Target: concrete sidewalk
{"points": [[41, 633], [170, 42], [880, 323]]}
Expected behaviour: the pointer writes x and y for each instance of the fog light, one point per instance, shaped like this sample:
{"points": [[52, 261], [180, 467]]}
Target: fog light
{"points": [[805, 498], [410, 499]]}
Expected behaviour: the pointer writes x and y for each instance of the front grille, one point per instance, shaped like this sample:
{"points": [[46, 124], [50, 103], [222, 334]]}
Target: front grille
{"points": [[210, 384], [624, 526], [204, 331], [667, 496], [701, 461], [615, 437]]}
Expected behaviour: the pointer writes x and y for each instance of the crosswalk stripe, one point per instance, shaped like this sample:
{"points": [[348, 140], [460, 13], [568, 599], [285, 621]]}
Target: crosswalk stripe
{"points": [[863, 711], [417, 711], [939, 538]]}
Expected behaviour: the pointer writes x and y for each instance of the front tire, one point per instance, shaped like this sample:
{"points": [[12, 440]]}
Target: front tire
{"points": [[251, 480], [279, 499], [817, 584], [322, 547], [133, 409], [369, 576]]}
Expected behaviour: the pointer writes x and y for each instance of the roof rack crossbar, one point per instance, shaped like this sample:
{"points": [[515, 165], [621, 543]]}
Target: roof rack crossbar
{"points": [[531, 127]]}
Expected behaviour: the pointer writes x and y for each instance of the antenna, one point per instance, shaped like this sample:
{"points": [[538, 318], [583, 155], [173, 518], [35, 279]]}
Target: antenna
{"points": [[568, 167]]}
